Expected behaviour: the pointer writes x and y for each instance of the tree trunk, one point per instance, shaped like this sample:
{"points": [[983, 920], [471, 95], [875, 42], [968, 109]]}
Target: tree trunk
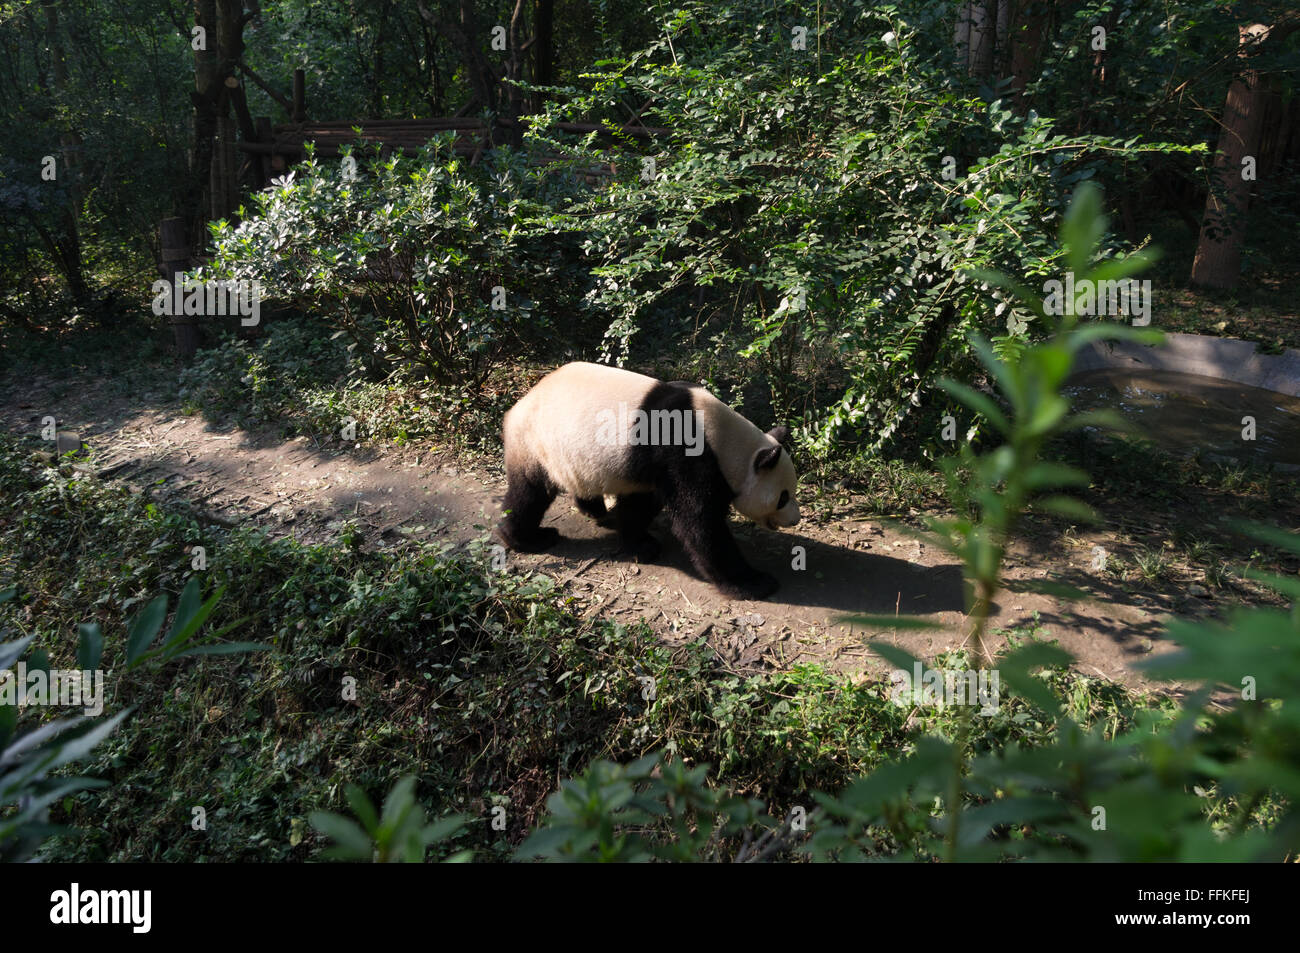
{"points": [[1218, 251], [207, 90], [976, 36], [175, 259], [1030, 23], [68, 256], [216, 90], [543, 48], [468, 38], [514, 98]]}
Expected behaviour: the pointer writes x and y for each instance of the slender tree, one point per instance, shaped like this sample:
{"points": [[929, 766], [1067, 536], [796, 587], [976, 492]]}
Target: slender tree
{"points": [[1218, 252]]}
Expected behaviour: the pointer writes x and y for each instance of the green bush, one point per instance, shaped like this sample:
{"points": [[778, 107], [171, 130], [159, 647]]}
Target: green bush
{"points": [[272, 379], [427, 263], [813, 217]]}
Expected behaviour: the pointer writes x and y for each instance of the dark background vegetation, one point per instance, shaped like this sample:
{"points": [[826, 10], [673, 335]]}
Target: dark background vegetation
{"points": [[673, 186]]}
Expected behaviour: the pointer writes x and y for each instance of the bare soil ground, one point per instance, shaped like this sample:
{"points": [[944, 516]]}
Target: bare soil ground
{"points": [[304, 490]]}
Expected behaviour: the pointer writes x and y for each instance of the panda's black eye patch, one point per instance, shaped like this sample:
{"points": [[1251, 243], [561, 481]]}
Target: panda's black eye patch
{"points": [[785, 498]]}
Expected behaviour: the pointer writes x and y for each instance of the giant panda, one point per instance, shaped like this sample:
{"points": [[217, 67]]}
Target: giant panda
{"points": [[593, 430]]}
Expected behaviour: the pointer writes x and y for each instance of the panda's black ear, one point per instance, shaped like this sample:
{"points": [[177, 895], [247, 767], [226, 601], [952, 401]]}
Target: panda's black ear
{"points": [[780, 432], [766, 458]]}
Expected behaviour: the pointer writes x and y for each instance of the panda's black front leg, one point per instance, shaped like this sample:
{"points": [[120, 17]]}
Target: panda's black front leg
{"points": [[632, 517], [528, 495], [708, 541]]}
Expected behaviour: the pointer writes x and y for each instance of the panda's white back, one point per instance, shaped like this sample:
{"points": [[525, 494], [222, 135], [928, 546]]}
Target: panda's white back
{"points": [[555, 424]]}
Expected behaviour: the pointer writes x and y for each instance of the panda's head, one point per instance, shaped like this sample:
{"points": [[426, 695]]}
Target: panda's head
{"points": [[767, 496]]}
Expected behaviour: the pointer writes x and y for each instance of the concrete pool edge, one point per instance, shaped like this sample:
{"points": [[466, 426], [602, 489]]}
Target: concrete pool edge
{"points": [[1225, 359]]}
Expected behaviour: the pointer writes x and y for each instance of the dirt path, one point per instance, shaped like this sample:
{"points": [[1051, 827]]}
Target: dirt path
{"points": [[299, 489]]}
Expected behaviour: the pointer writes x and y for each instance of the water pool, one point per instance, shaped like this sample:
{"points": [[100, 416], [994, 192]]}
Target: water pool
{"points": [[1187, 413]]}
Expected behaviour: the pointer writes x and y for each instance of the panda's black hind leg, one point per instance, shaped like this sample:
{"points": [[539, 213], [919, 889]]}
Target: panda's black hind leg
{"points": [[593, 506], [527, 497], [631, 517]]}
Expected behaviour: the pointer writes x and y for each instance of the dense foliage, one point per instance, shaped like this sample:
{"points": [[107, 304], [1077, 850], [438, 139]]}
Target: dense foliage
{"points": [[428, 262], [796, 234], [813, 210], [1141, 795], [479, 684]]}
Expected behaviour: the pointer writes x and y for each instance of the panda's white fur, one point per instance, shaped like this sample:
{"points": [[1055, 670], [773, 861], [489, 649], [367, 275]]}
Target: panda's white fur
{"points": [[555, 424]]}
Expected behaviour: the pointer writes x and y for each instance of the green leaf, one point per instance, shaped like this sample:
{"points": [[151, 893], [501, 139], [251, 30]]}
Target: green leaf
{"points": [[1044, 474], [443, 828], [980, 403], [8, 722], [1016, 668], [1287, 585], [1083, 227], [362, 807], [145, 628], [1104, 419], [1282, 539], [186, 606], [90, 646], [226, 648], [352, 843], [190, 616], [11, 652], [38, 661], [1084, 334], [1066, 506], [999, 369]]}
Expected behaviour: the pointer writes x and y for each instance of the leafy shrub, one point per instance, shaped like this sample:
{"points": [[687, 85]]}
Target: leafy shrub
{"points": [[399, 834], [268, 379], [814, 216], [303, 382], [427, 263]]}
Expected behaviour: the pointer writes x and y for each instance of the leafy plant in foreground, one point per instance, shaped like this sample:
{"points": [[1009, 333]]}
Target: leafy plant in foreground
{"points": [[1083, 796], [400, 834], [648, 810], [191, 613], [28, 760]]}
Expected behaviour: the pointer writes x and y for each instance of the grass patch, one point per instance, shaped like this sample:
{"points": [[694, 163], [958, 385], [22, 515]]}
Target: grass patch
{"points": [[484, 686]]}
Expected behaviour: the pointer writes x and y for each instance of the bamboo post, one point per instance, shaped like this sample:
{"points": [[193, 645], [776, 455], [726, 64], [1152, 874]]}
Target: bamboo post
{"points": [[299, 95], [175, 259], [264, 134]]}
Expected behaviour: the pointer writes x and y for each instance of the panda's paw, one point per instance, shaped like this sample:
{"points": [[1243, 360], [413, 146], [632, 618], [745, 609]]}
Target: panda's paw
{"points": [[539, 540], [543, 539], [758, 586], [593, 507], [644, 550]]}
